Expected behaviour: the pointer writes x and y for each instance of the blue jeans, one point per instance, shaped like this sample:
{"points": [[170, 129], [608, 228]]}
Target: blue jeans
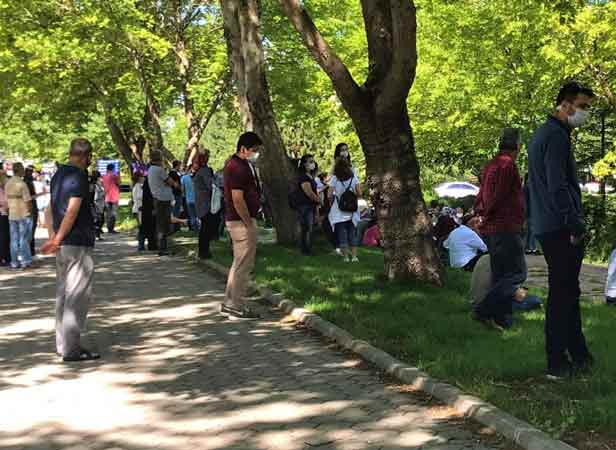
{"points": [[193, 221], [21, 234], [346, 234], [177, 207]]}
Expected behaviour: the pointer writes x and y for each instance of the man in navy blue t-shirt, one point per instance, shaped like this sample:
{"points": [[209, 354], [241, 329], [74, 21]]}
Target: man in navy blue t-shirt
{"points": [[71, 237]]}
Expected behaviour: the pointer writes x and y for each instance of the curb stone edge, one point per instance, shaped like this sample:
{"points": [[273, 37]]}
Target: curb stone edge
{"points": [[520, 432]]}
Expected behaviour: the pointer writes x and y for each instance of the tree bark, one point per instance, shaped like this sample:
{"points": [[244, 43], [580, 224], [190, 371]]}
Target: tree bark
{"points": [[379, 113], [154, 134], [242, 30]]}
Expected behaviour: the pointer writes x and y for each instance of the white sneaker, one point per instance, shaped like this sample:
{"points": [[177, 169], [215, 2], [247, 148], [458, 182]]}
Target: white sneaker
{"points": [[355, 259], [339, 252]]}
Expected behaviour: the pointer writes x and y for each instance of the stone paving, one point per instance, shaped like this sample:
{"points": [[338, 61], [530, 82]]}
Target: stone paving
{"points": [[176, 375]]}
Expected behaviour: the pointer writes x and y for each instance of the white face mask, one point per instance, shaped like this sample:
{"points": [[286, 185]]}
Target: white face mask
{"points": [[253, 157], [579, 118], [311, 166], [344, 154]]}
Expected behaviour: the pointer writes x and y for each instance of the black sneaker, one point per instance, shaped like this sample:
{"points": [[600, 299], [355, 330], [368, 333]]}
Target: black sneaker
{"points": [[559, 373], [487, 321], [238, 314], [83, 355], [584, 366]]}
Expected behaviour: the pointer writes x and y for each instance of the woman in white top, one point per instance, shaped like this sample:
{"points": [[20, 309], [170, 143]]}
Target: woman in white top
{"points": [[344, 222], [138, 196]]}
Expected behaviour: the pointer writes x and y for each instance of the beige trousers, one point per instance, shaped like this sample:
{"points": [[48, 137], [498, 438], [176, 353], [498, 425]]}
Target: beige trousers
{"points": [[74, 276], [244, 253]]}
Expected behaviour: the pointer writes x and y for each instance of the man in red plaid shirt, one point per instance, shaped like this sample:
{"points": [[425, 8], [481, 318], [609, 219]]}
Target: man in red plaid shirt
{"points": [[500, 205]]}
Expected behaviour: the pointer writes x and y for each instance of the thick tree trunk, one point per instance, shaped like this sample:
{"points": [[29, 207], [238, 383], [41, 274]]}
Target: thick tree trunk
{"points": [[152, 121], [242, 24], [393, 182], [118, 137], [379, 114]]}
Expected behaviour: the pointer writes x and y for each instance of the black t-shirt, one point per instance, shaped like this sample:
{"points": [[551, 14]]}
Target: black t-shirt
{"points": [[175, 176], [313, 185], [68, 182], [30, 183]]}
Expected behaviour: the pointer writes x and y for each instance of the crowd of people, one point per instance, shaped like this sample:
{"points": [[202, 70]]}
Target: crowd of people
{"points": [[23, 199], [487, 240]]}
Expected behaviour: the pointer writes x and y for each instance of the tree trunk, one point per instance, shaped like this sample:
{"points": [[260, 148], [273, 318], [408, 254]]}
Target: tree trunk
{"points": [[242, 23], [154, 134], [393, 183], [117, 136], [379, 113]]}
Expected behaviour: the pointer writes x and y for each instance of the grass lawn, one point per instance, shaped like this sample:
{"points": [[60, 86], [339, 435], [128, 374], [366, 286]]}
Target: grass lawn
{"points": [[430, 328]]}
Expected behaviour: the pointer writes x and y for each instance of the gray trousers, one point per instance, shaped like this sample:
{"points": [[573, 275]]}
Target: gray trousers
{"points": [[74, 277]]}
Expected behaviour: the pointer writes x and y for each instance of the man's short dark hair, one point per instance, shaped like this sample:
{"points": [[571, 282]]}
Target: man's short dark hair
{"points": [[110, 167], [80, 147], [176, 163], [248, 140], [510, 139], [571, 90]]}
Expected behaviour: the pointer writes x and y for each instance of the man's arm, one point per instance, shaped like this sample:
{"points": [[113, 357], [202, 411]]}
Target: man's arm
{"points": [[558, 187], [239, 203], [55, 239]]}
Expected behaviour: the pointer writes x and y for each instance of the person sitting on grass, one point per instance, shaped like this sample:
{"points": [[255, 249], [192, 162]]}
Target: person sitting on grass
{"points": [[481, 283], [610, 283], [465, 246]]}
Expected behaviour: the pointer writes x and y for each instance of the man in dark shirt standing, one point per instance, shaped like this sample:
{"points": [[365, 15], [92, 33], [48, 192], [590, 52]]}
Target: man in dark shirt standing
{"points": [[558, 222], [71, 237], [242, 203], [174, 174], [500, 206]]}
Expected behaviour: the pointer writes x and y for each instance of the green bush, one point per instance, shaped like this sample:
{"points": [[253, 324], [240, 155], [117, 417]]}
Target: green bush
{"points": [[601, 227]]}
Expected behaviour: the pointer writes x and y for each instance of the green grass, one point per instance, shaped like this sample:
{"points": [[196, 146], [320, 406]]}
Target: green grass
{"points": [[126, 221], [430, 328]]}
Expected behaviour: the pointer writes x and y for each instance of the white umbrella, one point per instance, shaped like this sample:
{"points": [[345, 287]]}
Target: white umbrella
{"points": [[457, 189]]}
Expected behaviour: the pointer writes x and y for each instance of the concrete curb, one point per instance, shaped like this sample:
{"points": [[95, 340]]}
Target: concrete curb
{"points": [[522, 433]]}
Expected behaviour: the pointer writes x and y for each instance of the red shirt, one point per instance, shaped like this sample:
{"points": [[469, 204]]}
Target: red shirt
{"points": [[239, 175], [501, 200], [111, 182]]}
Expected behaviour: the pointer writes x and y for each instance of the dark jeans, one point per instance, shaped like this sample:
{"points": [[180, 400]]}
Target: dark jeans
{"points": [[470, 266], [563, 322], [35, 214], [531, 239], [305, 214], [207, 232], [177, 207], [508, 264], [112, 211], [163, 221], [5, 240]]}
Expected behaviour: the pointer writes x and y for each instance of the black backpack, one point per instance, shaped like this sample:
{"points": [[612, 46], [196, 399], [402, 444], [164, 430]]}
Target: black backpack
{"points": [[348, 200], [295, 195]]}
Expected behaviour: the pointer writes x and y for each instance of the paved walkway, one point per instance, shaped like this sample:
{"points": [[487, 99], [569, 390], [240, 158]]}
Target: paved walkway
{"points": [[175, 375], [592, 278]]}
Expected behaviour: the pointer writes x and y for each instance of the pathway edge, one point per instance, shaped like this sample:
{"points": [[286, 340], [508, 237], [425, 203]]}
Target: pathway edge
{"points": [[520, 432]]}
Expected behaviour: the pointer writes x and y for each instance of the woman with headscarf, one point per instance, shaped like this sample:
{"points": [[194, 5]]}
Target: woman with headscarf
{"points": [[202, 185]]}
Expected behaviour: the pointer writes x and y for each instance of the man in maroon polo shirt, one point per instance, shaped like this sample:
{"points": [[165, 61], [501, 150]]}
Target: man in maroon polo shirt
{"points": [[500, 206], [242, 203]]}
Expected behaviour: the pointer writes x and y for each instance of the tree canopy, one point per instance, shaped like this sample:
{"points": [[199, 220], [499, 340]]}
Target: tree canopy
{"points": [[83, 67]]}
